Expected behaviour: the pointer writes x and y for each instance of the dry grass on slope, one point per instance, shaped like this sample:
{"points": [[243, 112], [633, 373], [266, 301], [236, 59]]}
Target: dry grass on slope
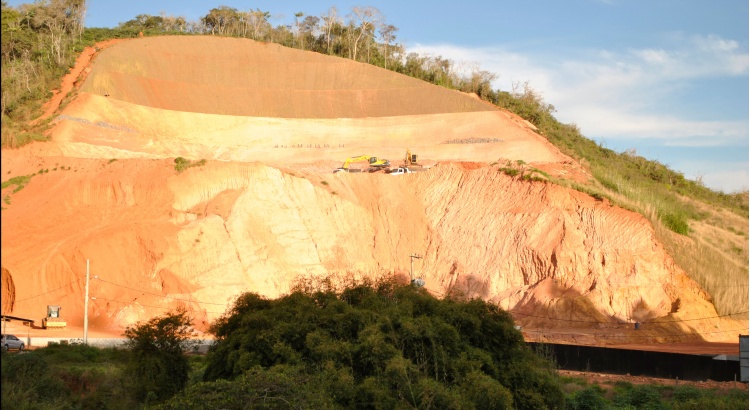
{"points": [[714, 250], [715, 254]]}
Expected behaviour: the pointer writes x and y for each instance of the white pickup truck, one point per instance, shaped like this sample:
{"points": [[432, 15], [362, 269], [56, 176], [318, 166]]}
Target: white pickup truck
{"points": [[400, 171]]}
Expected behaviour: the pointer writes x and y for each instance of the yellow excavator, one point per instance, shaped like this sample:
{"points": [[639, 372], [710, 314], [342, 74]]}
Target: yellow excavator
{"points": [[373, 161], [411, 160]]}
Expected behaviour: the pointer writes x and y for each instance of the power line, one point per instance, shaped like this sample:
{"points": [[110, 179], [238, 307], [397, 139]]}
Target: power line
{"points": [[616, 336], [649, 321], [159, 295], [140, 304], [701, 318], [561, 319], [49, 291]]}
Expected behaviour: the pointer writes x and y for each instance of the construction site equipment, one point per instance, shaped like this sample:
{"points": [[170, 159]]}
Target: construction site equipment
{"points": [[400, 171], [373, 161], [411, 160], [53, 319]]}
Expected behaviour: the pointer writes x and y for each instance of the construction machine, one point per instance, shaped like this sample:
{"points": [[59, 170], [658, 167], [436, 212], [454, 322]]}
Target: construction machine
{"points": [[410, 161], [373, 161], [53, 319]]}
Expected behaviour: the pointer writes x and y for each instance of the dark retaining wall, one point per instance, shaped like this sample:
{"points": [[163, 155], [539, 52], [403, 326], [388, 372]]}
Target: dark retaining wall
{"points": [[641, 363]]}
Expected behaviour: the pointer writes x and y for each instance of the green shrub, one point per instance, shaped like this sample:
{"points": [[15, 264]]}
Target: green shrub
{"points": [[157, 367], [641, 397], [387, 344], [70, 353], [27, 382], [676, 222], [280, 387], [181, 164], [686, 393], [512, 172], [590, 398], [486, 392], [19, 181]]}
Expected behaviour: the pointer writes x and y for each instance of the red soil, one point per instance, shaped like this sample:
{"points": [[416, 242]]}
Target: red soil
{"points": [[265, 210]]}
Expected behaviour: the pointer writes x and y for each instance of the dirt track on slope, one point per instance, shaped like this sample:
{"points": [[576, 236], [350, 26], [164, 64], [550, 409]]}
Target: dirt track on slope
{"points": [[76, 74], [265, 210]]}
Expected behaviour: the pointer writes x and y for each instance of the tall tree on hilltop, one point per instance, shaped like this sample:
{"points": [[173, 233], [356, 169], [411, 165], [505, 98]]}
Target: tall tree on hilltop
{"points": [[219, 20], [308, 28], [296, 26], [364, 20], [259, 23], [58, 20], [388, 34], [330, 20]]}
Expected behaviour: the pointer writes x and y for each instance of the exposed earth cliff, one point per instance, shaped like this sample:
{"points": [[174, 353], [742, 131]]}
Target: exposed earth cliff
{"points": [[265, 211]]}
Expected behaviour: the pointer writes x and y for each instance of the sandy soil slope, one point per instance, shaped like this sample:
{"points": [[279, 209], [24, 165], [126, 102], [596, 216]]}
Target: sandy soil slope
{"points": [[265, 210]]}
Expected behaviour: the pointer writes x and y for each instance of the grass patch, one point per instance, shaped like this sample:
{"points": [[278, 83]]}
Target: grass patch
{"points": [[520, 169], [676, 222], [511, 172], [20, 139], [725, 280], [181, 164], [19, 181], [324, 182]]}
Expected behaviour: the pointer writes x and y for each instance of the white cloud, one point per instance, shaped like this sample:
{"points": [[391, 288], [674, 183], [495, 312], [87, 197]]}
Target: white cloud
{"points": [[728, 177], [620, 94], [602, 121], [629, 95], [727, 181]]}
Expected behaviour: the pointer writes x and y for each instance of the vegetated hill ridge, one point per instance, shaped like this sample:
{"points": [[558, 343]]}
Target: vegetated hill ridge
{"points": [[265, 210]]}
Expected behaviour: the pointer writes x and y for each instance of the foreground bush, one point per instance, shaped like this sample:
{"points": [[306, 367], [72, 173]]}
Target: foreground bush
{"points": [[383, 346], [624, 395], [157, 367]]}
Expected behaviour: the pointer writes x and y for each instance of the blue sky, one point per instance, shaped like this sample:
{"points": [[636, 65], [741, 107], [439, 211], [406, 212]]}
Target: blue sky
{"points": [[667, 78]]}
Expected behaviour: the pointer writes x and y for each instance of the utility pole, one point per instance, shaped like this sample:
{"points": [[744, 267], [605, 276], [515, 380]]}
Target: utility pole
{"points": [[86, 308], [411, 269]]}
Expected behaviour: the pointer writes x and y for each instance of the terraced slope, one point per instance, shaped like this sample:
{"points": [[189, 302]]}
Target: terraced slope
{"points": [[265, 211], [241, 77]]}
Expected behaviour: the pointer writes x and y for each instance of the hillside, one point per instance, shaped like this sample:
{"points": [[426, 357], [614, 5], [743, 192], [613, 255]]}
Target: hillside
{"points": [[265, 210]]}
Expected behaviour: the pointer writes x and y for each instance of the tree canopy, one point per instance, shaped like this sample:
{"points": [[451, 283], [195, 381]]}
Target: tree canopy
{"points": [[383, 346]]}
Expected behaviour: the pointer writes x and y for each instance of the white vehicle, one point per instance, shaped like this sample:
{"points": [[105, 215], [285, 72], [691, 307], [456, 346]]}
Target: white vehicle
{"points": [[11, 342], [400, 171]]}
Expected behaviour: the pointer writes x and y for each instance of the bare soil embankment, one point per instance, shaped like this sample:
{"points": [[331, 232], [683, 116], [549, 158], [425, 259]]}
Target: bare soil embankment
{"points": [[265, 209]]}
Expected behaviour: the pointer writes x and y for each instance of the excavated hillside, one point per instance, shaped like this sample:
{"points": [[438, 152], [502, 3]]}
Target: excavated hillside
{"points": [[264, 211]]}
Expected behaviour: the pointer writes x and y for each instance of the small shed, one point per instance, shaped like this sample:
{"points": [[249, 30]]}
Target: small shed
{"points": [[25, 321]]}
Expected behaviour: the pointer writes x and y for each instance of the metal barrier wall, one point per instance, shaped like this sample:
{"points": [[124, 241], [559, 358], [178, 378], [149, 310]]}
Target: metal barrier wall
{"points": [[642, 363], [743, 358]]}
